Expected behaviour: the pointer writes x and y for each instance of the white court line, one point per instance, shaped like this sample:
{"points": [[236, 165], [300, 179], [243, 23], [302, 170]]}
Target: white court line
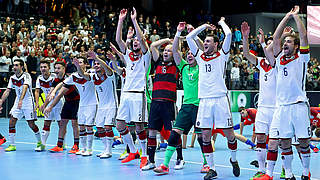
{"points": [[191, 162]]}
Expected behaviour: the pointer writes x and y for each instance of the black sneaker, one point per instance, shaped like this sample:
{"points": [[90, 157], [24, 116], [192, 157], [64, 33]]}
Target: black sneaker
{"points": [[236, 168], [255, 163], [305, 177], [292, 178], [212, 174]]}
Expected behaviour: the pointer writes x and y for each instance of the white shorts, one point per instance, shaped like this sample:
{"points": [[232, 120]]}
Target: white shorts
{"points": [[263, 120], [55, 114], [28, 114], [214, 110], [133, 107], [106, 116], [295, 141], [293, 120], [87, 114]]}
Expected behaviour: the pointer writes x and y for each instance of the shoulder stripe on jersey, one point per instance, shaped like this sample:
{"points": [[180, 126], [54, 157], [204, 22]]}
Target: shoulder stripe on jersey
{"points": [[225, 53], [303, 76], [196, 53], [277, 55]]}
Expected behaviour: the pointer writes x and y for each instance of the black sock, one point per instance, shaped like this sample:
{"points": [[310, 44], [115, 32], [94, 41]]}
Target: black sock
{"points": [[1, 137], [128, 149], [151, 152], [179, 152]]}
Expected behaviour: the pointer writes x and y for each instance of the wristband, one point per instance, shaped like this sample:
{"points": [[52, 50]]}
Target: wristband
{"points": [[263, 45]]}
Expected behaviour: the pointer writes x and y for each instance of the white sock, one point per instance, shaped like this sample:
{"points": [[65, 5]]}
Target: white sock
{"points": [[127, 138], [83, 142], [90, 141], [261, 156], [44, 136], [209, 158], [270, 167], [108, 142], [38, 136], [305, 158], [287, 163], [143, 145], [233, 155], [12, 138]]}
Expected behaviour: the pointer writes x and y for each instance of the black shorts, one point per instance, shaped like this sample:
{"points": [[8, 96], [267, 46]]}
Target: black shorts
{"points": [[70, 110], [161, 114], [186, 118]]}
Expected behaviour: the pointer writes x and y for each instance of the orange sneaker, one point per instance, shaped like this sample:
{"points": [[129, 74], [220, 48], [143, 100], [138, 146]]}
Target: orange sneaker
{"points": [[74, 149], [264, 177], [2, 141], [131, 157], [143, 162], [56, 149], [205, 168]]}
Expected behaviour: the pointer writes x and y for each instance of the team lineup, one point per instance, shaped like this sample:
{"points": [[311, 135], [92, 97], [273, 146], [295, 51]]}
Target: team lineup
{"points": [[88, 98]]}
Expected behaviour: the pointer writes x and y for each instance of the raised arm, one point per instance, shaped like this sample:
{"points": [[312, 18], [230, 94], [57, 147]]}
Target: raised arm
{"points": [[155, 48], [228, 36], [139, 33], [301, 29], [176, 43], [112, 57], [82, 73], [115, 50], [245, 30], [122, 45], [193, 35], [198, 40], [105, 66], [268, 50], [277, 34]]}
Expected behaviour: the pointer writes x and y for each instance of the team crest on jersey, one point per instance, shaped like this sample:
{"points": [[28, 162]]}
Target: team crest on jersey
{"points": [[284, 60], [265, 66], [100, 80], [134, 57], [79, 80], [211, 57], [45, 84], [18, 82]]}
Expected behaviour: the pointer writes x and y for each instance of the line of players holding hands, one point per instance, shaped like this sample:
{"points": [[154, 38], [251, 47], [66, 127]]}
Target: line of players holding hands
{"points": [[90, 98]]}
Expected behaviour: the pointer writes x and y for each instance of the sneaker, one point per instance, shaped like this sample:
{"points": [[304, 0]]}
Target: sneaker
{"points": [[2, 141], [98, 155], [179, 164], [123, 155], [258, 174], [161, 170], [305, 177], [255, 163], [140, 153], [163, 146], [315, 149], [149, 166], [40, 147], [205, 168], [56, 149], [236, 168], [131, 157], [80, 152], [292, 178], [87, 153], [11, 148], [283, 174], [105, 155], [116, 142], [64, 147], [212, 174], [264, 177], [74, 149], [143, 162]]}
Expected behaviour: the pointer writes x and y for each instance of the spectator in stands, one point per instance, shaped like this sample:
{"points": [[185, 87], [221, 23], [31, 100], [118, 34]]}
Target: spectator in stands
{"points": [[154, 37], [235, 76], [5, 62], [238, 37], [32, 66]]}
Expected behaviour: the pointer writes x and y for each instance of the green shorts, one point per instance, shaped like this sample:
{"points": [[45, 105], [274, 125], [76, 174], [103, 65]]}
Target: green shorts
{"points": [[186, 118]]}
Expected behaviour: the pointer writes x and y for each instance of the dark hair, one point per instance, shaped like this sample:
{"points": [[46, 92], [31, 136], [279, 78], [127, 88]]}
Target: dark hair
{"points": [[241, 108], [215, 37], [317, 132], [45, 62], [85, 60], [296, 40], [61, 63], [20, 61]]}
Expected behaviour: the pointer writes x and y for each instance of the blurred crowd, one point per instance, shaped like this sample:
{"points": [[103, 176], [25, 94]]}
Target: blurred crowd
{"points": [[89, 27]]}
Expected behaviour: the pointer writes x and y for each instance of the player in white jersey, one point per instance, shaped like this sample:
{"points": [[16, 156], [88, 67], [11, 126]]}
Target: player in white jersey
{"points": [[266, 101], [23, 105], [214, 104], [133, 102], [292, 112], [44, 84], [87, 106], [104, 81]]}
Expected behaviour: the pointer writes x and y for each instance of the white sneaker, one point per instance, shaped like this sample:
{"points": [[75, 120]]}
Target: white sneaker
{"points": [[105, 155], [149, 166], [179, 164], [123, 156], [98, 155], [87, 153], [80, 152]]}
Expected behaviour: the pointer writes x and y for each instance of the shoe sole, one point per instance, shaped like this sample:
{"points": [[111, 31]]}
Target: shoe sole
{"points": [[107, 157]]}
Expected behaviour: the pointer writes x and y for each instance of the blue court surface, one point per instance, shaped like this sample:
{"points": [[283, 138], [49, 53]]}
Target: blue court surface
{"points": [[27, 164]]}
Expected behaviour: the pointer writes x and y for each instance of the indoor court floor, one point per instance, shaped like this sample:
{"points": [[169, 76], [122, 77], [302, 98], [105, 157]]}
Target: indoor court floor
{"points": [[27, 164]]}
